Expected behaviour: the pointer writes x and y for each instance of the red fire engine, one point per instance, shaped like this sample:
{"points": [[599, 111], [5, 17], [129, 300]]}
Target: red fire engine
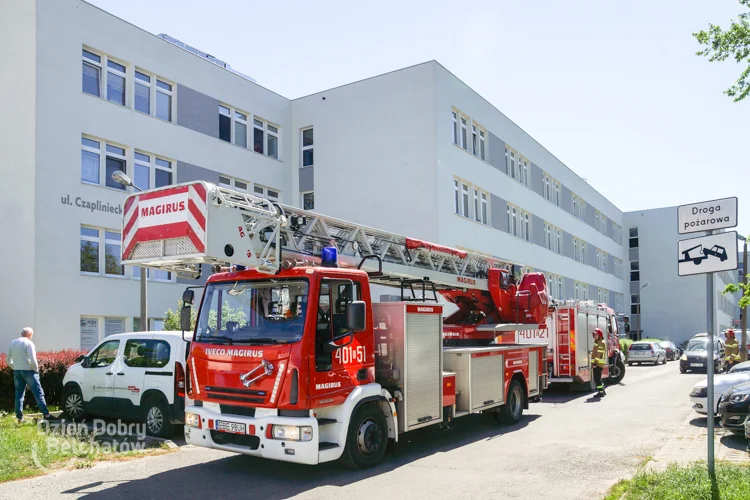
{"points": [[292, 360], [569, 339]]}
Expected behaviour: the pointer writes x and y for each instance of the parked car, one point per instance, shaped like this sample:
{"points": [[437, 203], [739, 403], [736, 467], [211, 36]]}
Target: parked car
{"points": [[646, 352], [734, 407], [673, 351], [132, 376], [739, 374], [695, 356]]}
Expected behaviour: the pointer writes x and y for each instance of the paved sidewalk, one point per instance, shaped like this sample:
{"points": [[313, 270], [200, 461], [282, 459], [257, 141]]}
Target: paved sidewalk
{"points": [[690, 444]]}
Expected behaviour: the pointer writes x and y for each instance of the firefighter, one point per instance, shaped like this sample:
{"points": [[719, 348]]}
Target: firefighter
{"points": [[599, 361], [731, 350]]}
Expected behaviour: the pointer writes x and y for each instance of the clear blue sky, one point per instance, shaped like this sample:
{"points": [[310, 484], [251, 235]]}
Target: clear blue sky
{"points": [[612, 88]]}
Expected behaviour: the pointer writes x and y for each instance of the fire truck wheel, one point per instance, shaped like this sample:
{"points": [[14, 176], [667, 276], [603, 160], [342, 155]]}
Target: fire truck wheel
{"points": [[367, 438], [618, 372], [512, 410], [157, 418]]}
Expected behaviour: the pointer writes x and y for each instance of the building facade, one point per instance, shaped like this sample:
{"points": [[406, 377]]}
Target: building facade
{"points": [[414, 151]]}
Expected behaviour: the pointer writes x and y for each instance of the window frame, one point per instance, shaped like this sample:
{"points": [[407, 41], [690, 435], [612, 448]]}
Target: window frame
{"points": [[265, 192], [302, 200], [464, 133], [454, 119], [153, 166], [122, 74], [102, 241], [482, 145], [309, 147], [104, 152], [232, 184]]}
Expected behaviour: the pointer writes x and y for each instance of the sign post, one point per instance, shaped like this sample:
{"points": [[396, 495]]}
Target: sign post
{"points": [[706, 255]]}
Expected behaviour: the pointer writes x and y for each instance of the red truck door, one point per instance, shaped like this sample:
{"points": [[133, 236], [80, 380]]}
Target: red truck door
{"points": [[343, 359]]}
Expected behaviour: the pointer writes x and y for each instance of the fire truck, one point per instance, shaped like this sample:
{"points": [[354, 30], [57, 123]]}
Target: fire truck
{"points": [[569, 339], [291, 359]]}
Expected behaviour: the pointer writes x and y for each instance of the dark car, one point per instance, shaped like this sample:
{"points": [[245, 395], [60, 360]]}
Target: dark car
{"points": [[673, 351], [695, 356], [734, 406]]}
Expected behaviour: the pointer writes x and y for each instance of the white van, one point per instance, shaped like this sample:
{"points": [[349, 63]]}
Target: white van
{"points": [[134, 376]]}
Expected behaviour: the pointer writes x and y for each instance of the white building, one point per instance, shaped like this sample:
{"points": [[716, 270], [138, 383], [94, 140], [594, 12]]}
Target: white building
{"points": [[415, 151]]}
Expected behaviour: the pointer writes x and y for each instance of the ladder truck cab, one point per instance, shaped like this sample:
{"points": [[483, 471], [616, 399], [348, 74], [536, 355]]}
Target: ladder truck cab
{"points": [[569, 338], [292, 360]]}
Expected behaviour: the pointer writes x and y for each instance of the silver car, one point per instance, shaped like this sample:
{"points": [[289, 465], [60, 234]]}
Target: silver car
{"points": [[646, 352]]}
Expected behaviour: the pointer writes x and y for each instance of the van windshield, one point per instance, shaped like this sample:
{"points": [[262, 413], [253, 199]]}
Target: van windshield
{"points": [[258, 312]]}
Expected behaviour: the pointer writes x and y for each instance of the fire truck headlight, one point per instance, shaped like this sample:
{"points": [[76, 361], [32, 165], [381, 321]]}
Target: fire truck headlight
{"points": [[292, 432], [193, 420]]}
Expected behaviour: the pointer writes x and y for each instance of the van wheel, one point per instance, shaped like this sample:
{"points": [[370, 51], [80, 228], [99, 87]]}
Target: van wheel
{"points": [[366, 439], [73, 404], [156, 415], [512, 411]]}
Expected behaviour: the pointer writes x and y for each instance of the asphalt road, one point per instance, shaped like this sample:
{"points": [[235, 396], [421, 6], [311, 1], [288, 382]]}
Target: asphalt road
{"points": [[570, 446]]}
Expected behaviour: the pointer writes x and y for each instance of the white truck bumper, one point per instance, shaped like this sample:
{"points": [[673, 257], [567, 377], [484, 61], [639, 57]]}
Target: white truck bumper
{"points": [[254, 441]]}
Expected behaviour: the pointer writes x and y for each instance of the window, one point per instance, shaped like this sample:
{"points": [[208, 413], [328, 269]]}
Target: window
{"points": [[603, 223], [100, 252], [481, 145], [454, 129], [635, 274], [465, 199], [576, 213], [617, 233], [524, 170], [265, 138], [557, 193], [634, 303], [575, 249], [577, 288], [142, 93], [605, 258], [559, 287], [633, 243], [483, 202], [308, 201], [232, 182], [549, 240], [93, 169], [146, 353], [154, 324], [583, 251], [116, 82], [477, 214], [559, 241], [105, 354], [92, 73], [618, 268], [512, 164], [463, 133], [598, 259], [456, 197], [163, 100], [474, 140], [113, 326], [240, 129], [225, 124], [513, 220], [547, 188], [307, 147], [152, 274], [265, 192], [525, 227], [582, 207], [150, 170]]}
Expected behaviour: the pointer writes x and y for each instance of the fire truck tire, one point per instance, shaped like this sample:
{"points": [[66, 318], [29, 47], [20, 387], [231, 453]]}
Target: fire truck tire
{"points": [[618, 372], [367, 438], [512, 411]]}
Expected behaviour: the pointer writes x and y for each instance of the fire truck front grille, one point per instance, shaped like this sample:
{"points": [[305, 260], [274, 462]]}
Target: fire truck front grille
{"points": [[243, 411], [251, 442]]}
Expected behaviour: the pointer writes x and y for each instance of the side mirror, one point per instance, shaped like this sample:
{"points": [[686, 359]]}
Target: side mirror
{"points": [[188, 297], [356, 316], [185, 314], [80, 358], [86, 362]]}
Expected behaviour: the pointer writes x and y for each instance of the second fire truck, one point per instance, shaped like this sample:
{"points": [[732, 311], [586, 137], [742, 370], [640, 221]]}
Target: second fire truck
{"points": [[292, 360]]}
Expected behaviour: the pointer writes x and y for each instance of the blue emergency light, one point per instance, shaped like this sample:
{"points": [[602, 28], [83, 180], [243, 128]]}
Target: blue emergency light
{"points": [[329, 257]]}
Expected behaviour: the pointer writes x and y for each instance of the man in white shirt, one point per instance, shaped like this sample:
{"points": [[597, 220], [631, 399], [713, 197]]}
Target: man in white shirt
{"points": [[22, 358]]}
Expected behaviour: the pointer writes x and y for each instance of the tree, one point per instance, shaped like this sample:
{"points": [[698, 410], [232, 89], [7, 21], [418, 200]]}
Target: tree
{"points": [[172, 319], [228, 313], [735, 42]]}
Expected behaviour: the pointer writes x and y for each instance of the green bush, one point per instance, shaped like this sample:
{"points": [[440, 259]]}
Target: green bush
{"points": [[624, 346], [52, 368]]}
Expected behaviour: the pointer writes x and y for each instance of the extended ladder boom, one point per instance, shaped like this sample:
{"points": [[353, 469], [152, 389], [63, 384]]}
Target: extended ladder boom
{"points": [[180, 227]]}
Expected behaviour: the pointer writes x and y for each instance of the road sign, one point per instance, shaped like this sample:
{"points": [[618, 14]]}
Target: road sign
{"points": [[707, 215], [707, 254]]}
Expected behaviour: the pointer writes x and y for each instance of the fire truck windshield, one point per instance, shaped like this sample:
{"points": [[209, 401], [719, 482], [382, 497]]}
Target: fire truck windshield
{"points": [[253, 312]]}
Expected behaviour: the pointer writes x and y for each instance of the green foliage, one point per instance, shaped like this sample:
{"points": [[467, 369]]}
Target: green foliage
{"points": [[720, 45], [734, 288], [686, 483], [89, 257], [172, 319]]}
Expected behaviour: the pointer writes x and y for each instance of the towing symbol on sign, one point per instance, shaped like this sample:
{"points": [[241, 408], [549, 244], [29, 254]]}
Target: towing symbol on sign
{"points": [[702, 254]]}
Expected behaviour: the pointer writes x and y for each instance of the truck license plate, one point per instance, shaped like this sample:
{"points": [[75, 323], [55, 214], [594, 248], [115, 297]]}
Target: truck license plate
{"points": [[230, 427], [696, 364]]}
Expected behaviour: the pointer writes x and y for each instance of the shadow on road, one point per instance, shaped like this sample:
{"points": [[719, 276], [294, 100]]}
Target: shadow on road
{"points": [[240, 476], [703, 422], [734, 442]]}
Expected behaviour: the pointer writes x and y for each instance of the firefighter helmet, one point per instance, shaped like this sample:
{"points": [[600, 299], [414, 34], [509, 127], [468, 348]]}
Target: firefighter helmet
{"points": [[598, 332]]}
